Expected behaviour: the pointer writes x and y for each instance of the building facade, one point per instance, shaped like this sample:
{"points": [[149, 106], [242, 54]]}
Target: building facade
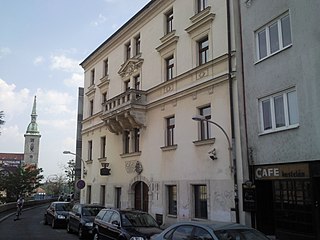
{"points": [[142, 88], [279, 79]]}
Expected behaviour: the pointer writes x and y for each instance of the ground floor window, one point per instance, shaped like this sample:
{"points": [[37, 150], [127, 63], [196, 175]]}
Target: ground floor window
{"points": [[293, 205], [118, 197], [172, 197], [200, 201]]}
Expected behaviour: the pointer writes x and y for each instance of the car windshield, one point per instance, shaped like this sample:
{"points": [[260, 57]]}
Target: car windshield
{"points": [[240, 234], [138, 220], [90, 211], [63, 207]]}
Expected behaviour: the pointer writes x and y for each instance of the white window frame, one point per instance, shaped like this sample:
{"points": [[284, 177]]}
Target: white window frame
{"points": [[266, 28], [271, 98]]}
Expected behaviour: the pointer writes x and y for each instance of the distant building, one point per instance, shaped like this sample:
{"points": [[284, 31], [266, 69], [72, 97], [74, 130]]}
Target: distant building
{"points": [[9, 161], [32, 139]]}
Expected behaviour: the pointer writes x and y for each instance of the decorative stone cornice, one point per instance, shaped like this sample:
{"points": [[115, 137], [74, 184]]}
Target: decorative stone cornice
{"points": [[131, 66]]}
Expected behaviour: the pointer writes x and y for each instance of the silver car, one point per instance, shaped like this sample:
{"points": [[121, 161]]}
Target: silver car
{"points": [[208, 230]]}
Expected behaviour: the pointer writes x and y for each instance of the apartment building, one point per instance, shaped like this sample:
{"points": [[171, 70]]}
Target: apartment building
{"points": [[171, 61], [279, 79]]}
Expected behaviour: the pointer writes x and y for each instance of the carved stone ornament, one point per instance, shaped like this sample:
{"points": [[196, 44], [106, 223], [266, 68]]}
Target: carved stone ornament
{"points": [[138, 167], [130, 66]]}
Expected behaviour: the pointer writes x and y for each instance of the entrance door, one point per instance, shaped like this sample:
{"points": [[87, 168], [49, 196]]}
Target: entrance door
{"points": [[141, 196], [316, 187], [265, 210]]}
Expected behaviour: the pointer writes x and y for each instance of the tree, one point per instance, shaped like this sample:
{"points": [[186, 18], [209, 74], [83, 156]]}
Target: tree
{"points": [[20, 181], [70, 174], [1, 118]]}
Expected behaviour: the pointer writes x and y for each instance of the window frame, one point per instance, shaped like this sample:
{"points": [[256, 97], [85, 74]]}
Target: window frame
{"points": [[169, 21], [272, 111], [203, 51], [201, 5], [106, 67], [137, 41], [172, 199], [92, 77], [126, 142], [170, 131], [128, 50], [280, 39], [169, 67], [205, 128], [90, 150], [199, 211], [136, 139], [91, 107], [103, 146]]}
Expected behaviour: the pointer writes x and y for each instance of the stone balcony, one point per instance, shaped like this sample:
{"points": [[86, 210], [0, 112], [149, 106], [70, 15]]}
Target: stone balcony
{"points": [[125, 111]]}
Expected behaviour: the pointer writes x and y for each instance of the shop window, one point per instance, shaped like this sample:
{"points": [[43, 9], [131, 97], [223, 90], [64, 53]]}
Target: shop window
{"points": [[200, 201]]}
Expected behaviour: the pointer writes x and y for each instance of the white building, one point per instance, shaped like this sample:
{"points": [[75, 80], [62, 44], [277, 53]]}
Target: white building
{"points": [[142, 87]]}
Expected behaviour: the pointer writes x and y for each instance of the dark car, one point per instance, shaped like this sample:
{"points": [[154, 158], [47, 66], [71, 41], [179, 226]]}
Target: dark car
{"points": [[115, 224], [80, 219], [209, 231], [57, 213]]}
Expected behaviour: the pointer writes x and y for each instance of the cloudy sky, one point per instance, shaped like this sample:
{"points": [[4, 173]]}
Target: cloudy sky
{"points": [[42, 43]]}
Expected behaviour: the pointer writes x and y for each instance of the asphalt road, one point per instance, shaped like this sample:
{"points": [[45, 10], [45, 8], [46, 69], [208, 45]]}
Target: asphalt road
{"points": [[30, 227]]}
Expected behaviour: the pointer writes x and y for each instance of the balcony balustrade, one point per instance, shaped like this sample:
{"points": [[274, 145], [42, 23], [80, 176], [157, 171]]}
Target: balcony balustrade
{"points": [[125, 111]]}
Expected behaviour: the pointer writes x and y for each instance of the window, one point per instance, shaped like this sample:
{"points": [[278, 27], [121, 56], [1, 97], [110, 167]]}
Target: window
{"points": [[274, 37], [136, 139], [103, 147], [102, 195], [128, 50], [201, 5], [172, 197], [89, 150], [203, 50], [279, 111], [169, 21], [137, 85], [126, 85], [170, 131], [106, 67], [91, 108], [169, 67], [137, 44], [200, 200], [126, 141], [92, 77], [118, 197], [205, 132], [182, 233], [104, 97]]}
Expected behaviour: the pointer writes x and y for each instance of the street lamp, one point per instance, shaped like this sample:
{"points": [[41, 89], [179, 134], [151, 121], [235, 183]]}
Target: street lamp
{"points": [[84, 172], [232, 159]]}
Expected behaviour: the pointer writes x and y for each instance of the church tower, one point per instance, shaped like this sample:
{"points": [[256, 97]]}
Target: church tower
{"points": [[32, 139]]}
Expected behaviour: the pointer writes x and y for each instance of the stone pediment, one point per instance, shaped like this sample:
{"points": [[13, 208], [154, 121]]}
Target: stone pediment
{"points": [[130, 67]]}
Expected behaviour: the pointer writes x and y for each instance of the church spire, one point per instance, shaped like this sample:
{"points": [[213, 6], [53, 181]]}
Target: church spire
{"points": [[33, 126]]}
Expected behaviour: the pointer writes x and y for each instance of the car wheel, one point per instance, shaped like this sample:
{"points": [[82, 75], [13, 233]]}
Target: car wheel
{"points": [[96, 236], [53, 224], [68, 228], [80, 233]]}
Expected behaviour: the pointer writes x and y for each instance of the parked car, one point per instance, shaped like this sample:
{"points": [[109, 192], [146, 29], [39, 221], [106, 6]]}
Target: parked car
{"points": [[124, 225], [56, 214], [80, 219], [209, 231]]}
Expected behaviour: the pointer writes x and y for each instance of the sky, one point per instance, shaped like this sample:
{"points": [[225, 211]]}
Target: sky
{"points": [[42, 43]]}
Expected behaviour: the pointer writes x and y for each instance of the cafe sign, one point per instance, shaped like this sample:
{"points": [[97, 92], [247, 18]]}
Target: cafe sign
{"points": [[285, 171]]}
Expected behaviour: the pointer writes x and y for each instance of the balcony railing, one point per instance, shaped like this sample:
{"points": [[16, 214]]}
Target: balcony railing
{"points": [[125, 111]]}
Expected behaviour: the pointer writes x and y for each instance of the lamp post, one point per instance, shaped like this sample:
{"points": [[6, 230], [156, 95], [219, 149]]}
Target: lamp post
{"points": [[232, 160], [84, 171]]}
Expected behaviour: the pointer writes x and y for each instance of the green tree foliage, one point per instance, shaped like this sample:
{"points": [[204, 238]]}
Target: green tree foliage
{"points": [[70, 174], [20, 181], [1, 118]]}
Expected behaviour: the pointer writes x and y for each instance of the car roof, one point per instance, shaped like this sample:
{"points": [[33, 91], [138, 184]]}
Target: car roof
{"points": [[89, 205], [214, 225]]}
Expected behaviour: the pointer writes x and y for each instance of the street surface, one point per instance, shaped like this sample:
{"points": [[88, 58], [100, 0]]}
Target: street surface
{"points": [[30, 227]]}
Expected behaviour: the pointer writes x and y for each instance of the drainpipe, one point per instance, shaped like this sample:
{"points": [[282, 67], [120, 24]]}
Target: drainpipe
{"points": [[234, 160]]}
